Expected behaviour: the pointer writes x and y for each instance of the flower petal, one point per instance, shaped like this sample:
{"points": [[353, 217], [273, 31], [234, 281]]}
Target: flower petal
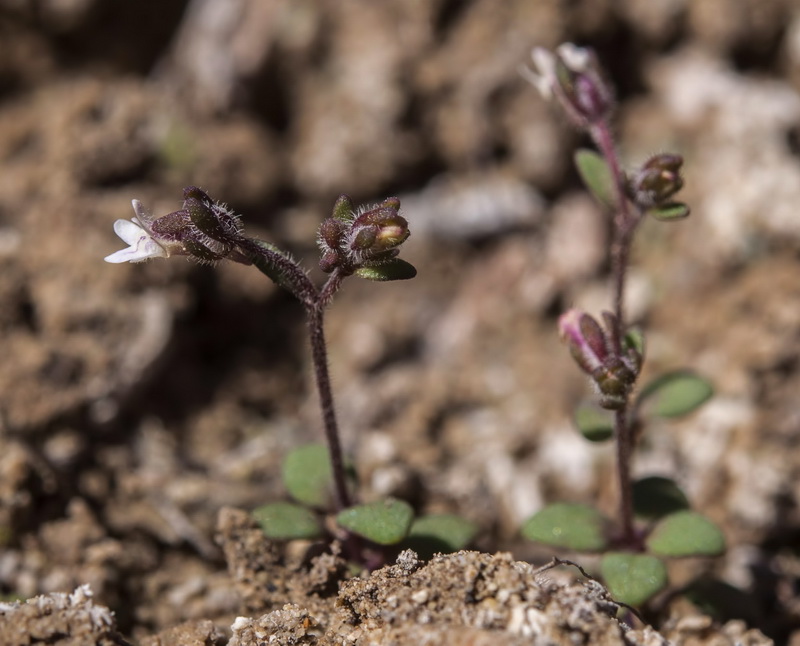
{"points": [[142, 246], [129, 231]]}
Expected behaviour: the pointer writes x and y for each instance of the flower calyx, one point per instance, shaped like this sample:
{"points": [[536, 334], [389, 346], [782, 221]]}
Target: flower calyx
{"points": [[592, 347], [204, 230]]}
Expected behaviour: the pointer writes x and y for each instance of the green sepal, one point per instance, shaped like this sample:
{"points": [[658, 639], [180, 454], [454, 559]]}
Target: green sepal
{"points": [[655, 497], [306, 475], [595, 424], [596, 175], [284, 521], [394, 269], [633, 578], [686, 533], [677, 393], [670, 212], [574, 526], [385, 522], [443, 533], [344, 209]]}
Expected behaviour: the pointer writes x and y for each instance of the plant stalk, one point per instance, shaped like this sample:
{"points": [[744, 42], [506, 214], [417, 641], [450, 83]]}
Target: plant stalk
{"points": [[319, 354], [624, 224]]}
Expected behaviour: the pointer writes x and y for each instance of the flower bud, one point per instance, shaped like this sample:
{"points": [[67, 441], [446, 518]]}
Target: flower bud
{"points": [[329, 261], [377, 231], [586, 339], [592, 349], [657, 181], [330, 234]]}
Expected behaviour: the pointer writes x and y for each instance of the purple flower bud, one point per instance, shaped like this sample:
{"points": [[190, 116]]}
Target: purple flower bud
{"points": [[330, 234], [586, 339]]}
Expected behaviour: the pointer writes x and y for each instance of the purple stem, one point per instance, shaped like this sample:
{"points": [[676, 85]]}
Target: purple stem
{"points": [[319, 354]]}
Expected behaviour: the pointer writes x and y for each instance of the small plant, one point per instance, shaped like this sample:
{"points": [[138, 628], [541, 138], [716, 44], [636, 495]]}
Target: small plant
{"points": [[361, 242], [612, 354]]}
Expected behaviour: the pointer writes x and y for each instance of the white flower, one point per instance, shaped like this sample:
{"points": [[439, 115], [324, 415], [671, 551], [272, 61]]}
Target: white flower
{"points": [[141, 243], [543, 77]]}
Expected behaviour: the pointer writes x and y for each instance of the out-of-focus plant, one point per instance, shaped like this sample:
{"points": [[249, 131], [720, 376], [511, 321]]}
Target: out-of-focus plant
{"points": [[654, 521]]}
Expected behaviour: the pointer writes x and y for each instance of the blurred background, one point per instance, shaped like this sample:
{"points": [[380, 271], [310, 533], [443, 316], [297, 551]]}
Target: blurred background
{"points": [[135, 401]]}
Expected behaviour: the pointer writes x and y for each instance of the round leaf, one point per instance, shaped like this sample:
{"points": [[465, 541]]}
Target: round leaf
{"points": [[385, 522], [307, 475], [595, 424], [282, 521], [595, 174], [656, 497], [670, 212], [440, 533], [394, 269], [677, 393], [633, 578], [686, 533], [577, 527]]}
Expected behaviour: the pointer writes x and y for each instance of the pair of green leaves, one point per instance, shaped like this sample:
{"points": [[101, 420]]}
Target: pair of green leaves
{"points": [[307, 477], [672, 395], [632, 578]]}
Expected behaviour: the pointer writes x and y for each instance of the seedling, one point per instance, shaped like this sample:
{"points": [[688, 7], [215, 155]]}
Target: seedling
{"points": [[612, 354], [362, 242]]}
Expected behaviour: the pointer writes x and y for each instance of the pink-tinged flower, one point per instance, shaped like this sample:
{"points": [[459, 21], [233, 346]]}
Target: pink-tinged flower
{"points": [[586, 340], [613, 373]]}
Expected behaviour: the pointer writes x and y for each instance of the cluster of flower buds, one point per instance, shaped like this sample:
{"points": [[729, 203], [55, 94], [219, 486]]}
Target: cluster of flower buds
{"points": [[655, 183], [368, 237], [573, 77], [203, 230], [613, 372]]}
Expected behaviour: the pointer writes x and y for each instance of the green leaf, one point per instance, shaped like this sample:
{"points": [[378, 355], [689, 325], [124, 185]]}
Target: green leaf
{"points": [[385, 522], [670, 212], [686, 533], [394, 269], [655, 497], [677, 393], [283, 521], [595, 424], [596, 175], [307, 475], [443, 533], [577, 527], [633, 578]]}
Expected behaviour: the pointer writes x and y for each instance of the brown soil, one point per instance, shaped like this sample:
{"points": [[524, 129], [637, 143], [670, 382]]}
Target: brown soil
{"points": [[141, 406]]}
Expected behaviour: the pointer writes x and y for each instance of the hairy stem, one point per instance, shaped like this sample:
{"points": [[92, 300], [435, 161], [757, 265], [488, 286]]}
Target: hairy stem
{"points": [[319, 354], [625, 221]]}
